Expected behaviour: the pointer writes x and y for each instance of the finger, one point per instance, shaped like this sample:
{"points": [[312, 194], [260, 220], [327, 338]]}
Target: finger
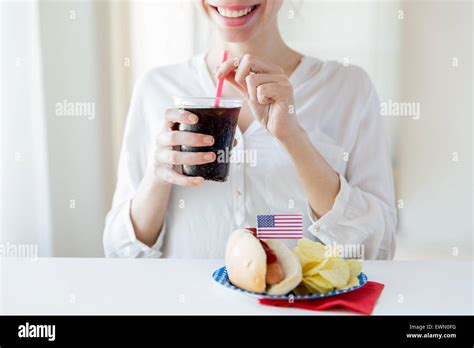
{"points": [[173, 177], [248, 63], [227, 67], [254, 80], [269, 92], [167, 156], [174, 115], [174, 138], [251, 63]]}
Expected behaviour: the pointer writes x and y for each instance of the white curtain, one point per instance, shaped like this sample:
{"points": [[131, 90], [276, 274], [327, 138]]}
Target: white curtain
{"points": [[25, 203], [58, 171]]}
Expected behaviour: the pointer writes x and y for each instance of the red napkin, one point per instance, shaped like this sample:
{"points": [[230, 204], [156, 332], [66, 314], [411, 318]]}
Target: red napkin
{"points": [[362, 300]]}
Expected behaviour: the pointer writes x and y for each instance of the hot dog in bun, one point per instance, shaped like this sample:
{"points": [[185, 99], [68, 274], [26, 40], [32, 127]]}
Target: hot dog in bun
{"points": [[261, 265]]}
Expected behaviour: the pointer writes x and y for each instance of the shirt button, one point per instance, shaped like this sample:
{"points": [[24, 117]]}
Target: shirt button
{"points": [[238, 193]]}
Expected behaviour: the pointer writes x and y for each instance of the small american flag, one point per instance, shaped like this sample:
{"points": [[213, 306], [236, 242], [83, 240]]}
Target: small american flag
{"points": [[280, 226]]}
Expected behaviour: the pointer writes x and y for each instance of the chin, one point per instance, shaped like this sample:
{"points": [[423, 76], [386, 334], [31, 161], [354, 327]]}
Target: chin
{"points": [[236, 35]]}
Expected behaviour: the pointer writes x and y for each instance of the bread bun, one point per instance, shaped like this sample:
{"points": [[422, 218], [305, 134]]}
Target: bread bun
{"points": [[246, 264], [246, 261], [291, 268]]}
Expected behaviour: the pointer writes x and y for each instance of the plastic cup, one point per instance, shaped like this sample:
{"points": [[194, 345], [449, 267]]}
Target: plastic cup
{"points": [[219, 122]]}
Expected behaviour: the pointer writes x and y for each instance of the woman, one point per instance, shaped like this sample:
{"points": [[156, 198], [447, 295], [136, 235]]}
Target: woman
{"points": [[314, 125]]}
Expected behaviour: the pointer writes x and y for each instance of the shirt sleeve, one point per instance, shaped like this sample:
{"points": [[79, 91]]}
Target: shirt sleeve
{"points": [[119, 235], [363, 214]]}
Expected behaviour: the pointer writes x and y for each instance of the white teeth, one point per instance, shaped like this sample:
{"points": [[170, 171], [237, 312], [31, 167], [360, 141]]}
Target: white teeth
{"points": [[234, 14]]}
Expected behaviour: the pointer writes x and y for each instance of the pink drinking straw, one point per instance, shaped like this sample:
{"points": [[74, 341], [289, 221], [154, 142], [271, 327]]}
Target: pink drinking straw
{"points": [[221, 82]]}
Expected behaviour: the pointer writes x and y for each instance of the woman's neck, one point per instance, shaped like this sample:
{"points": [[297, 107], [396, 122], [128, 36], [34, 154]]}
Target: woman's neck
{"points": [[267, 45]]}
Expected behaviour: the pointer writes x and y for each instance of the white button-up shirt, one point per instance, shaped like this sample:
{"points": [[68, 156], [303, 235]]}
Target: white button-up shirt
{"points": [[339, 109]]}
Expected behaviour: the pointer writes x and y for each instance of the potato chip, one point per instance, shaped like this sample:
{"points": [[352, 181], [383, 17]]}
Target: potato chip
{"points": [[323, 273], [304, 260], [317, 284], [312, 250], [313, 268], [353, 281], [355, 267], [336, 271]]}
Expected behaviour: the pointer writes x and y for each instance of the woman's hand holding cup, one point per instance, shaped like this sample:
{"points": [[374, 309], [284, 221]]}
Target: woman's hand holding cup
{"points": [[167, 159]]}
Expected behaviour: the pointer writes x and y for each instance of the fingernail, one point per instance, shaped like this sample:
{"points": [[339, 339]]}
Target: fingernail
{"points": [[218, 74], [208, 140], [209, 156], [197, 180], [236, 61], [192, 118]]}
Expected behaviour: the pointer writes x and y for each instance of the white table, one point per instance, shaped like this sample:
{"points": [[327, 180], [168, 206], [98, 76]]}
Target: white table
{"points": [[171, 286]]}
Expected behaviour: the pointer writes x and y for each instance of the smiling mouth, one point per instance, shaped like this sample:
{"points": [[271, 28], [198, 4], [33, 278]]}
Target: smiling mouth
{"points": [[230, 13]]}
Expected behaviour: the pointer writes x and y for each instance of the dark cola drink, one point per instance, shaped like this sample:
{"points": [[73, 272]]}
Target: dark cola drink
{"points": [[221, 123]]}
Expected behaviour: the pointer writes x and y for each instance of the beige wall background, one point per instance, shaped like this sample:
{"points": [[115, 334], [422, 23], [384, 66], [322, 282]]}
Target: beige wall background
{"points": [[408, 48], [436, 62]]}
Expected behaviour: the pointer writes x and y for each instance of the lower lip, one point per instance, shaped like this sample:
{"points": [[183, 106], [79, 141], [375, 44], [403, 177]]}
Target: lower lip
{"points": [[236, 22]]}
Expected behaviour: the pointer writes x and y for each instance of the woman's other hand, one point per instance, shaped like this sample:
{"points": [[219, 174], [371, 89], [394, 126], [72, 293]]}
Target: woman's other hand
{"points": [[268, 92]]}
